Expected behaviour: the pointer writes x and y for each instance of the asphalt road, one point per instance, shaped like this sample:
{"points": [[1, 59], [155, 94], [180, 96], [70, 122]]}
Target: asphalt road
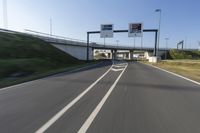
{"points": [[119, 98]]}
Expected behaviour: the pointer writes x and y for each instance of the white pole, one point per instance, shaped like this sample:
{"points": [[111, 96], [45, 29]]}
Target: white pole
{"points": [[117, 42], [104, 42], [166, 48], [5, 17], [50, 27], [158, 10], [141, 42], [134, 42], [199, 45]]}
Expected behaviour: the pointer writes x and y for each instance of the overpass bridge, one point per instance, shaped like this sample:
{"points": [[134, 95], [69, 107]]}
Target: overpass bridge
{"points": [[78, 48]]}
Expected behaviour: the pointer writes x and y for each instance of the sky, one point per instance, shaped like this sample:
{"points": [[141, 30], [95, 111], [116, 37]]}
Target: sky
{"points": [[73, 18]]}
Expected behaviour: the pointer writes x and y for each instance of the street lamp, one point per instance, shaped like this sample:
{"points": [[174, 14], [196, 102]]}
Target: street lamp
{"points": [[117, 42], [50, 26], [158, 10], [5, 17], [134, 42], [166, 39], [199, 45]]}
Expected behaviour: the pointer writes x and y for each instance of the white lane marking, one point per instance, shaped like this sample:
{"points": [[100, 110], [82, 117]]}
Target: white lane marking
{"points": [[198, 83], [116, 70], [68, 106], [92, 116], [119, 65], [29, 82], [19, 85]]}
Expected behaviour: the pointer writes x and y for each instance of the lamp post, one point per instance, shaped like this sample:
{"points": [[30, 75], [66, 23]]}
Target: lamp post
{"points": [[134, 42], [50, 26], [117, 43], [166, 39], [117, 46], [158, 10], [199, 45], [5, 17]]}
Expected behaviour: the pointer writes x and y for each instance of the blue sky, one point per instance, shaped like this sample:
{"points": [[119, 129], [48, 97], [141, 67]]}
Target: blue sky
{"points": [[73, 18]]}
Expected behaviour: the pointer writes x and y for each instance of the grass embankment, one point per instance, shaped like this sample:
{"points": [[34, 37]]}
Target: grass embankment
{"points": [[24, 58], [187, 68], [183, 54], [182, 62]]}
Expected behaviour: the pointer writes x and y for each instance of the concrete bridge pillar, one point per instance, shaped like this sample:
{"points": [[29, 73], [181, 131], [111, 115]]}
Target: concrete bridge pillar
{"points": [[127, 55], [131, 55], [109, 55], [112, 54], [115, 54]]}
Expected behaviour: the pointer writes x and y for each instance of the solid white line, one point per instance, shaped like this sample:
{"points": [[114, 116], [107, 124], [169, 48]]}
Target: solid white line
{"points": [[67, 107], [92, 116], [116, 70], [198, 83], [29, 82], [19, 85], [120, 65]]}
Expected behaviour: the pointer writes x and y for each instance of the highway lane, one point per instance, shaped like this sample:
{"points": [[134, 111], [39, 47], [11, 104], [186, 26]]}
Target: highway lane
{"points": [[72, 120], [144, 99], [147, 100], [26, 107]]}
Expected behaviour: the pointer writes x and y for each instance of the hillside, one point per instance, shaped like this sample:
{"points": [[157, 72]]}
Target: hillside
{"points": [[22, 56]]}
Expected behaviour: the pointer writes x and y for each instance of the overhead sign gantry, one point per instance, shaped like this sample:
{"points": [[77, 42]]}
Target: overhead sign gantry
{"points": [[135, 30]]}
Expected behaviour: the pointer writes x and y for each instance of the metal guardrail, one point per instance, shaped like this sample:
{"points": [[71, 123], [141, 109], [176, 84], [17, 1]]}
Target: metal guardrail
{"points": [[53, 36]]}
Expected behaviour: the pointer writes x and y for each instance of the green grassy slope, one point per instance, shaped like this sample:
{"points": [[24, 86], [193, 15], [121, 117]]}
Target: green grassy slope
{"points": [[22, 56], [179, 54]]}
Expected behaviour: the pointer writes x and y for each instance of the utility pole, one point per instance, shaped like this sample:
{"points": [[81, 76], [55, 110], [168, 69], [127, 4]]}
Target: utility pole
{"points": [[117, 42], [159, 10], [5, 17], [50, 27], [199, 46], [166, 48], [141, 43]]}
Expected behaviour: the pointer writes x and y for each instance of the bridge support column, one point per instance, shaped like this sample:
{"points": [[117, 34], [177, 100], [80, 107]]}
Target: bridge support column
{"points": [[127, 55], [131, 55], [115, 54], [112, 54], [109, 55]]}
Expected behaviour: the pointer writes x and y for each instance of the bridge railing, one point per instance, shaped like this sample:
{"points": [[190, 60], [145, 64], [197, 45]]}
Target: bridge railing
{"points": [[53, 37]]}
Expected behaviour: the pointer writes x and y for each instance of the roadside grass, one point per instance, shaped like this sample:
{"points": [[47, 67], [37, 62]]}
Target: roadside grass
{"points": [[41, 73], [24, 58], [187, 68]]}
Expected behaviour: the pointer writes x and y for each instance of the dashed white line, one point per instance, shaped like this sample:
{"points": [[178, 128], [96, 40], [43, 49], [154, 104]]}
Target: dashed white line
{"points": [[116, 70], [67, 107], [92, 116]]}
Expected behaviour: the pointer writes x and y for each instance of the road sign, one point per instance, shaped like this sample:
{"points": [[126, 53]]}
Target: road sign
{"points": [[106, 31], [135, 30]]}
